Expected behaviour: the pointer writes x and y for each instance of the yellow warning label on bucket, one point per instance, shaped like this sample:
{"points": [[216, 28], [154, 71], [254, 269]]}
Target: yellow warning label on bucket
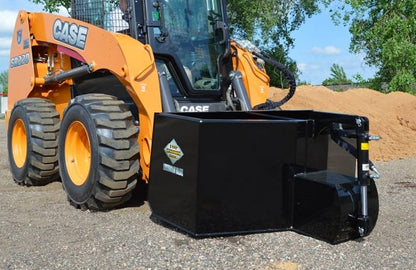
{"points": [[365, 146], [173, 151]]}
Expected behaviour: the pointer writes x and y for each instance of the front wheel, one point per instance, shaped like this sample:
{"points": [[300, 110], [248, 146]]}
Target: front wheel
{"points": [[99, 152]]}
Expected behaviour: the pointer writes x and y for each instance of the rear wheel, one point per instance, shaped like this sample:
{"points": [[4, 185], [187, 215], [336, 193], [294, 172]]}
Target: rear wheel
{"points": [[99, 152], [32, 142]]}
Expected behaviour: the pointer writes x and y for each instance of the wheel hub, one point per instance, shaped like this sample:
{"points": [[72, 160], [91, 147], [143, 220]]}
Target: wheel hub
{"points": [[77, 153], [19, 143]]}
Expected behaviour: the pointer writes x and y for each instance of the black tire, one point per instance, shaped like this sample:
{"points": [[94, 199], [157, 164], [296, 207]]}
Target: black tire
{"points": [[32, 140], [99, 152]]}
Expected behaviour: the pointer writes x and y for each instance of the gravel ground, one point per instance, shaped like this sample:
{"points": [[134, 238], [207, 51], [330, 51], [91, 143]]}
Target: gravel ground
{"points": [[40, 230]]}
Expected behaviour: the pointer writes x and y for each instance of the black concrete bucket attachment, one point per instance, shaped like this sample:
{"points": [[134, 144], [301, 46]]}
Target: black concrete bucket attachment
{"points": [[245, 172]]}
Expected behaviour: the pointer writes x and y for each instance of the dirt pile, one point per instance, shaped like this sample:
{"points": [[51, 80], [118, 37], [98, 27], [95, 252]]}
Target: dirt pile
{"points": [[392, 116]]}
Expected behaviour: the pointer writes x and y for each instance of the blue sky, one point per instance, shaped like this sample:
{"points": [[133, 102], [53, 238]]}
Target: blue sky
{"points": [[318, 44]]}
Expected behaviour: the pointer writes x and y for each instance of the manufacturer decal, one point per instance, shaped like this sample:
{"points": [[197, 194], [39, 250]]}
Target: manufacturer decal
{"points": [[197, 108], [19, 60], [71, 34], [26, 44], [19, 37]]}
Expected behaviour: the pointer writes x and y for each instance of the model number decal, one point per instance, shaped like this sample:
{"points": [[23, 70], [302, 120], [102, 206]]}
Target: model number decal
{"points": [[19, 60], [71, 34]]}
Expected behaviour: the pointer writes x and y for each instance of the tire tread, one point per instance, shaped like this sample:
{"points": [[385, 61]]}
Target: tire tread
{"points": [[118, 151], [43, 131]]}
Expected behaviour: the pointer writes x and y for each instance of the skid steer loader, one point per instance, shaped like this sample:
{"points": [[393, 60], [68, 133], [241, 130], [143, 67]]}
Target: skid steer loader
{"points": [[158, 93]]}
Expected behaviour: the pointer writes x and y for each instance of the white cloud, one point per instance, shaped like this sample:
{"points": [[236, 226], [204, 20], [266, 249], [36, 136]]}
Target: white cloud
{"points": [[4, 52], [63, 12], [8, 19], [304, 67], [328, 50], [5, 42]]}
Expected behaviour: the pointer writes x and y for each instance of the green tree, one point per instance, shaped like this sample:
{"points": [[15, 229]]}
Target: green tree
{"points": [[276, 76], [4, 79], [338, 76], [269, 22], [384, 31], [53, 5]]}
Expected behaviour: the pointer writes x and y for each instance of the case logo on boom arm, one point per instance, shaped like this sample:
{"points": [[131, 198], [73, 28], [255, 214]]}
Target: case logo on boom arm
{"points": [[71, 34]]}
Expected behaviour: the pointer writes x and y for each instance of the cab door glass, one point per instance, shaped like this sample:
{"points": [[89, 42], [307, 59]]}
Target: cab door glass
{"points": [[195, 36]]}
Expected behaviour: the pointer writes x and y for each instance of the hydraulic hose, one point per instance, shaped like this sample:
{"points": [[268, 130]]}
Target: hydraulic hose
{"points": [[288, 75]]}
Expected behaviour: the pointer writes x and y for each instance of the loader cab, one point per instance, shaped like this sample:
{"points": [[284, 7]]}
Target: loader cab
{"points": [[190, 41]]}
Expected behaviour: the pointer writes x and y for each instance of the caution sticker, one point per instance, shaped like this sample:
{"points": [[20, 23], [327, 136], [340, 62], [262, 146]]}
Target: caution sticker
{"points": [[365, 146], [173, 151]]}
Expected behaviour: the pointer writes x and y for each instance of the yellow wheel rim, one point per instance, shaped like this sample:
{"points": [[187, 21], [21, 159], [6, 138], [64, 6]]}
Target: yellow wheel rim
{"points": [[19, 143], [77, 153]]}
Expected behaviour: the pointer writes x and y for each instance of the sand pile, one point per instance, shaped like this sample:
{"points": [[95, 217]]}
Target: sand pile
{"points": [[392, 116]]}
